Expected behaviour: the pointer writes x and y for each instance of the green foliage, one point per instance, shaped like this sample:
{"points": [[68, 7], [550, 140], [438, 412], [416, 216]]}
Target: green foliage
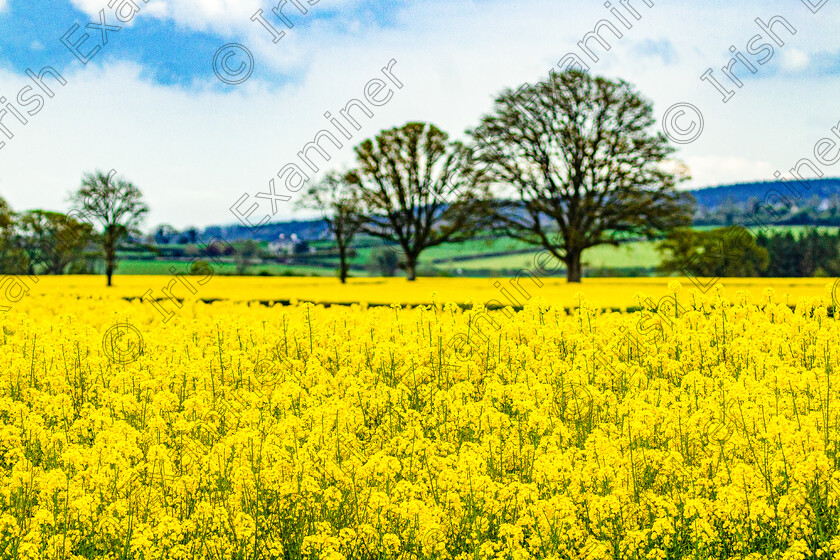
{"points": [[720, 252], [246, 252], [383, 262], [54, 241], [813, 253], [12, 259]]}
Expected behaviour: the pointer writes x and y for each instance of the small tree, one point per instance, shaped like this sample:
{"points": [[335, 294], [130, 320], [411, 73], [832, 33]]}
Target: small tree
{"points": [[189, 235], [164, 234], [417, 190], [245, 251], [577, 166], [117, 205], [338, 203], [6, 216]]}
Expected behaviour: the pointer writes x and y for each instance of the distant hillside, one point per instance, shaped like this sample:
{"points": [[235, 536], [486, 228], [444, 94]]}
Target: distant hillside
{"points": [[740, 193], [305, 230], [709, 197]]}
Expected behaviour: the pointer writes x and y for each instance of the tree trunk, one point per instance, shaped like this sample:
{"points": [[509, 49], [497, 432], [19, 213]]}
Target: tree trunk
{"points": [[110, 257], [573, 269], [410, 268], [342, 264]]}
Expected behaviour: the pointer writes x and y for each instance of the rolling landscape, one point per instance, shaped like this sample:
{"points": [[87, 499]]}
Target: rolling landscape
{"points": [[311, 251], [419, 280]]}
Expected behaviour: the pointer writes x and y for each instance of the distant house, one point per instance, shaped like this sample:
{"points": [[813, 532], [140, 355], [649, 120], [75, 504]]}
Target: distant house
{"points": [[286, 246], [283, 245]]}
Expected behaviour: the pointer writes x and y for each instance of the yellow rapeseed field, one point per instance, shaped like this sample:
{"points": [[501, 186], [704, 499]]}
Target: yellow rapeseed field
{"points": [[706, 426], [606, 292]]}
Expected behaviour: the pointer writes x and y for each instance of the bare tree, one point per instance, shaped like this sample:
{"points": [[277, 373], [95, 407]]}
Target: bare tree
{"points": [[117, 205], [575, 157], [338, 202], [417, 190]]}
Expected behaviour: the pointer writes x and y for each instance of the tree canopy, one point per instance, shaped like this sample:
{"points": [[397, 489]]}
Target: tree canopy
{"points": [[576, 164], [417, 190]]}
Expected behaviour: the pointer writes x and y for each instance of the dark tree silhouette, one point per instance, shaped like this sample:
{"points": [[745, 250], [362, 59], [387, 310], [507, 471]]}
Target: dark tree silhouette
{"points": [[576, 165], [117, 205], [337, 200], [417, 190]]}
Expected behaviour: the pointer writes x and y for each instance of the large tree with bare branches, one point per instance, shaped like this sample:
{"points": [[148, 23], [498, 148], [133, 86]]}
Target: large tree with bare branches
{"points": [[576, 164], [417, 190]]}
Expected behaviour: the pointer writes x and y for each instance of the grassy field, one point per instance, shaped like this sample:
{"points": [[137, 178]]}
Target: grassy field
{"points": [[491, 256], [488, 254], [164, 268], [630, 255]]}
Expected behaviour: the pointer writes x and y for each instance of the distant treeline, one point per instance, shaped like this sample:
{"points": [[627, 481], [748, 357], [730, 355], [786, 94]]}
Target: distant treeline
{"points": [[734, 251], [770, 203], [713, 197], [813, 253]]}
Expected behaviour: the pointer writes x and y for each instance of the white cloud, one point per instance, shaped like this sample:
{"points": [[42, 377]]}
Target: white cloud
{"points": [[231, 19], [195, 152], [2, 5], [190, 9], [222, 16], [225, 17], [795, 60], [719, 170]]}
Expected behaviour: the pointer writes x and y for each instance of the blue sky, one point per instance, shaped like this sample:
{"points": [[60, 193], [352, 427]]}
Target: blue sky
{"points": [[149, 104], [172, 50]]}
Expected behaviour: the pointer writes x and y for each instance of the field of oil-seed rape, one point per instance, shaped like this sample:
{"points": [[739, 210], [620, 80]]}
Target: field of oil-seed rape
{"points": [[706, 428], [601, 292]]}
